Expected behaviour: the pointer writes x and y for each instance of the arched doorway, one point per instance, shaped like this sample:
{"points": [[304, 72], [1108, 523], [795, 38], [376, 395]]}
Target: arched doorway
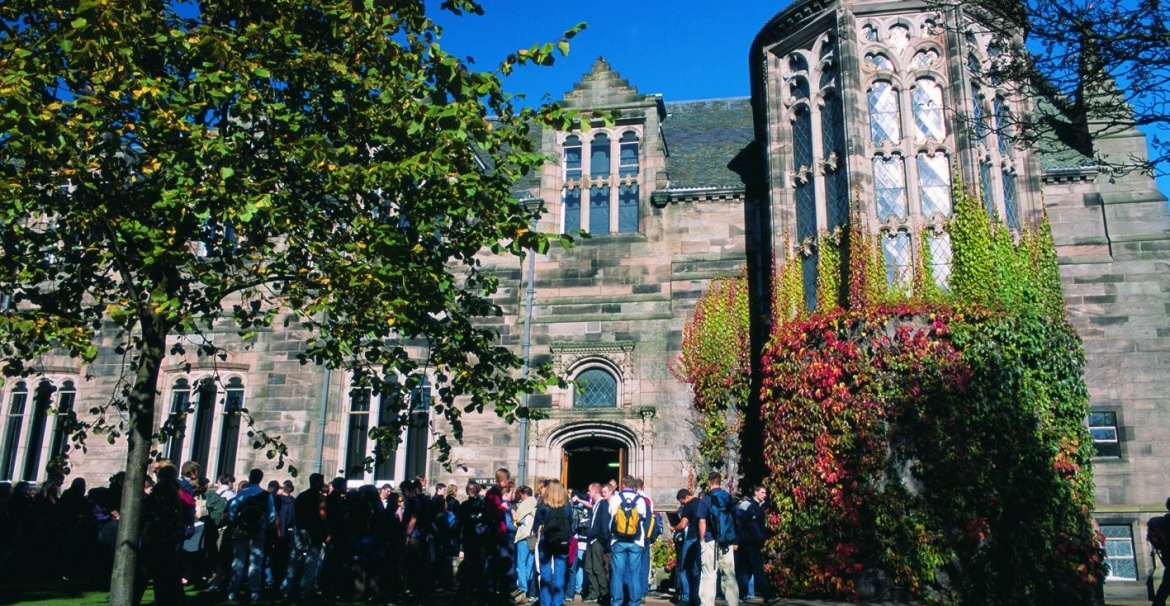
{"points": [[592, 459]]}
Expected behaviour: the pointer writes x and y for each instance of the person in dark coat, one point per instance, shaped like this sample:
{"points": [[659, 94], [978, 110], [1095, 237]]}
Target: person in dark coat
{"points": [[163, 513]]}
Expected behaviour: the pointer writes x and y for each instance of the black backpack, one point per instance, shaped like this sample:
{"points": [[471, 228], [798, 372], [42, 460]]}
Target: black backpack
{"points": [[477, 516], [558, 532], [253, 511], [581, 516]]}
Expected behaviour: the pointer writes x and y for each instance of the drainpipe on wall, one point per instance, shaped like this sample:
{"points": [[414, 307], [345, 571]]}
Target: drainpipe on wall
{"points": [[532, 204], [324, 413], [530, 292]]}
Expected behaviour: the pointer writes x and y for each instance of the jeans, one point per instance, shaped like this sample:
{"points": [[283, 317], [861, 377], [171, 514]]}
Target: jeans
{"points": [[644, 569], [523, 566], [577, 573], [716, 559], [554, 575], [688, 572], [249, 555], [625, 567], [304, 557]]}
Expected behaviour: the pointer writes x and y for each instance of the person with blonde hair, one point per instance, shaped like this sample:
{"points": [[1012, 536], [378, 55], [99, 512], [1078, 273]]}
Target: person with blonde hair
{"points": [[553, 525]]}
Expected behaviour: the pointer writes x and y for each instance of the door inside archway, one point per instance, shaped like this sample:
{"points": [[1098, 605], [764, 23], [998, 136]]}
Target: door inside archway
{"points": [[592, 459]]}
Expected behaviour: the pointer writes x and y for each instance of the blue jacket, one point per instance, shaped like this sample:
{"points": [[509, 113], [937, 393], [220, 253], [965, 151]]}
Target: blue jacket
{"points": [[245, 494]]}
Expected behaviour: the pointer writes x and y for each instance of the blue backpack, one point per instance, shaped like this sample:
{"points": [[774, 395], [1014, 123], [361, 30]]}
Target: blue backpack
{"points": [[722, 518]]}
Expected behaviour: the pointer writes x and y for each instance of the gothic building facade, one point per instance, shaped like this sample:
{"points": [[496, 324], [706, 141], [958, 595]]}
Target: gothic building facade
{"points": [[888, 101]]}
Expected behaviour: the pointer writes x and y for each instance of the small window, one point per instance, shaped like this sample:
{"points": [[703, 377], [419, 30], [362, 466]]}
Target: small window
{"points": [[899, 37], [628, 209], [357, 433], [596, 388], [572, 209], [176, 421], [1103, 429], [229, 437], [1010, 203], [940, 260], [1119, 552], [934, 184], [879, 61], [925, 58], [17, 401], [599, 210]]}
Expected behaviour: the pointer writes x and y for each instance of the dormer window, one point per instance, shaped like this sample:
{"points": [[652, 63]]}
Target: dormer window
{"points": [[613, 197]]}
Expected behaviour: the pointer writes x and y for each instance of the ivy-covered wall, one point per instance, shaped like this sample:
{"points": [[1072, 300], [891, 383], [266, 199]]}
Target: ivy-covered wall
{"points": [[932, 439]]}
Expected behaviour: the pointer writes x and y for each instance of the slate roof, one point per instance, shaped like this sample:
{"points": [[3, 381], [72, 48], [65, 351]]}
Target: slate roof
{"points": [[703, 138]]}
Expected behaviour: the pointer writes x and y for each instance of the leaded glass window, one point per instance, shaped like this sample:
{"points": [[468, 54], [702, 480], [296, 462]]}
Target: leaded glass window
{"points": [[979, 124], [940, 259], [1003, 118], [832, 142], [809, 276], [1119, 552], [884, 115], [869, 32], [572, 205], [879, 61], [926, 101], [899, 37], [890, 179], [599, 210], [896, 254], [985, 188], [628, 209], [799, 88], [599, 156], [596, 388], [934, 184], [1010, 204], [925, 58], [802, 158]]}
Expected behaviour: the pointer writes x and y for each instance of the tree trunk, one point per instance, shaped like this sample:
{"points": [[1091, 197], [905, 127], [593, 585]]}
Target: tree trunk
{"points": [[139, 441]]}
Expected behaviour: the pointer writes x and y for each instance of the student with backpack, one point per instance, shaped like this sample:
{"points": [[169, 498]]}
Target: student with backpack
{"points": [[251, 511], [717, 532], [554, 527], [1158, 534], [630, 517]]}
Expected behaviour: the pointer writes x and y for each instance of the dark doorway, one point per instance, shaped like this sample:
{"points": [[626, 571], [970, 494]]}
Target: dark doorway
{"points": [[591, 460]]}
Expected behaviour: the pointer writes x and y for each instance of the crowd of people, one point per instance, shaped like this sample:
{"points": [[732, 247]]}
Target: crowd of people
{"points": [[501, 544]]}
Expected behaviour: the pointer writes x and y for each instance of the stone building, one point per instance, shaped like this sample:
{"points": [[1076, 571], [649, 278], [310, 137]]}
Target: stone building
{"points": [[885, 98]]}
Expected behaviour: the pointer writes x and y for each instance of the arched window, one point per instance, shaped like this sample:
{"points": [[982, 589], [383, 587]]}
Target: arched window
{"points": [[571, 194], [42, 403], [926, 101], [176, 423], [229, 438], [357, 433], [924, 58], [205, 394], [418, 431], [596, 388], [940, 259], [66, 399], [386, 405], [628, 189], [599, 156], [599, 210], [885, 120], [879, 61], [1011, 207], [13, 423], [833, 150], [890, 183]]}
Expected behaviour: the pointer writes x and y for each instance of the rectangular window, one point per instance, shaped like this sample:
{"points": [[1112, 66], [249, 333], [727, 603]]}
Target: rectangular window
{"points": [[1010, 205], [599, 210], [229, 439], [1119, 552], [359, 430], [896, 252], [572, 206], [180, 400], [1103, 429], [65, 400], [418, 432], [890, 177], [204, 418], [42, 402], [628, 165], [628, 209]]}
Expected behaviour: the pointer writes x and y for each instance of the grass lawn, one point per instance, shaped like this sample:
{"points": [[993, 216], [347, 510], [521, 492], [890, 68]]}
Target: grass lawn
{"points": [[75, 594]]}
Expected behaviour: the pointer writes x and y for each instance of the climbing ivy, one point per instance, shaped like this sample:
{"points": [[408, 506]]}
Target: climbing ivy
{"points": [[933, 437], [715, 361]]}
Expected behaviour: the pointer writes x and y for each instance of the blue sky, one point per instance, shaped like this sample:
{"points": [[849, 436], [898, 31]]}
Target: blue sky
{"points": [[683, 50]]}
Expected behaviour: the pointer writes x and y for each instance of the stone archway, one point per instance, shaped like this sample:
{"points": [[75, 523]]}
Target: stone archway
{"points": [[587, 451]]}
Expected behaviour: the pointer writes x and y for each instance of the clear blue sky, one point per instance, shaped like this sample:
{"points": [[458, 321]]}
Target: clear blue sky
{"points": [[683, 49]]}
